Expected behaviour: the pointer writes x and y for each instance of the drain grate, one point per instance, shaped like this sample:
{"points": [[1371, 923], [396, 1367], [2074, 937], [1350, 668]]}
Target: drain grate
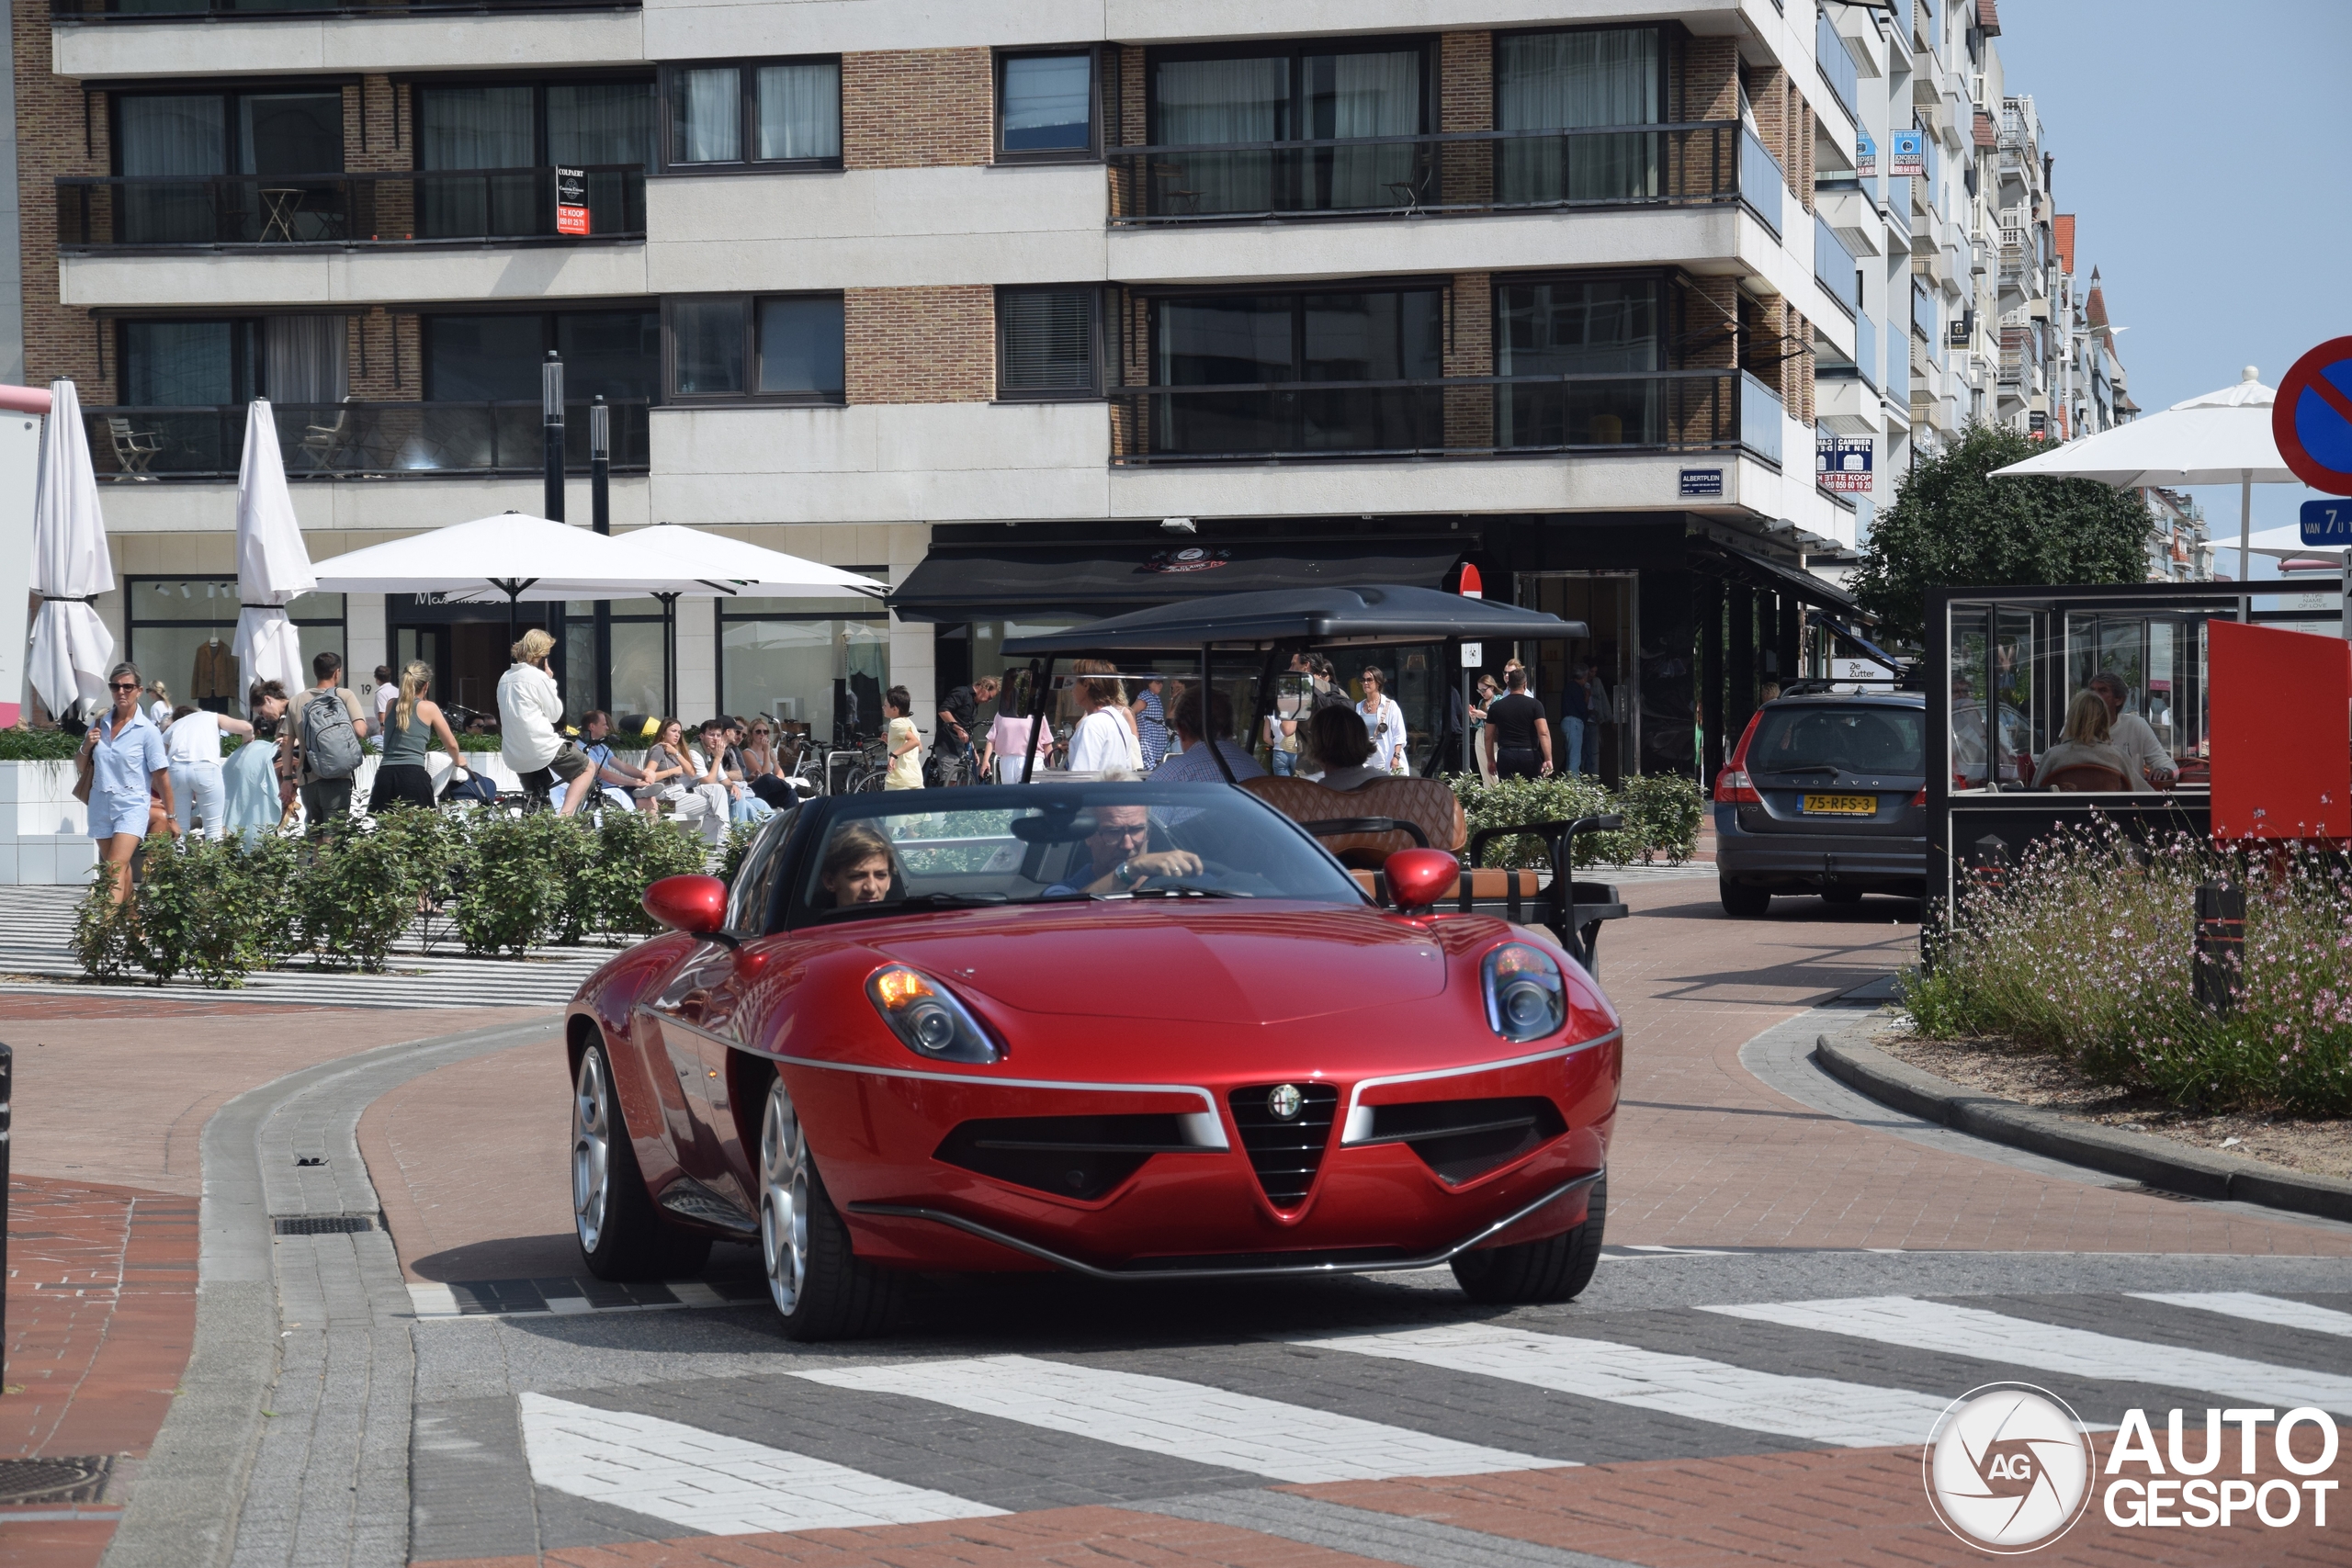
{"points": [[323, 1224], [78, 1480]]}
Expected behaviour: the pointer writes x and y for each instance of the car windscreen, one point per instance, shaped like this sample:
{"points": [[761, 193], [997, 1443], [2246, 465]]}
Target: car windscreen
{"points": [[1874, 741], [976, 847]]}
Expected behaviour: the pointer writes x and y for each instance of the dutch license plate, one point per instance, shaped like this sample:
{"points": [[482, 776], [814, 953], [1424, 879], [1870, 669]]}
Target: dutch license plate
{"points": [[1841, 806]]}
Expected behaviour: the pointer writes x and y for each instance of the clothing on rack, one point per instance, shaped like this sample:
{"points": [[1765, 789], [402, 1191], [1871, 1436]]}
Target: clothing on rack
{"points": [[215, 675]]}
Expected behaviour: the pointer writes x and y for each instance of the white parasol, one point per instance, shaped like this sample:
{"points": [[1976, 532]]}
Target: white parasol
{"points": [[72, 648], [2221, 438], [273, 566], [511, 557], [718, 557]]}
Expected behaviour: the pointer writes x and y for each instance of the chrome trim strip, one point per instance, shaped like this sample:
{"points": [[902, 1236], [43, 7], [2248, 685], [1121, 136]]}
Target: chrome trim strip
{"points": [[1131, 1276], [1351, 1135], [1198, 1121]]}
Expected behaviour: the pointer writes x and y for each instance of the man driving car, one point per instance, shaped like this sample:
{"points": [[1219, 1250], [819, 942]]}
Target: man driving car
{"points": [[1118, 858]]}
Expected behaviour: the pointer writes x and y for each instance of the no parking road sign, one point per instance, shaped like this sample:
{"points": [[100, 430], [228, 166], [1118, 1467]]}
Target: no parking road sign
{"points": [[2312, 419]]}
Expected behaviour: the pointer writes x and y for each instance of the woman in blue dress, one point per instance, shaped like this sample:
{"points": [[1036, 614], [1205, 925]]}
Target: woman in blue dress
{"points": [[249, 778]]}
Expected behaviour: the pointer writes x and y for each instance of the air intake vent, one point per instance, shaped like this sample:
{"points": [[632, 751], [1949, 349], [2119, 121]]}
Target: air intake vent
{"points": [[1460, 1139], [1285, 1150], [1078, 1157], [323, 1224]]}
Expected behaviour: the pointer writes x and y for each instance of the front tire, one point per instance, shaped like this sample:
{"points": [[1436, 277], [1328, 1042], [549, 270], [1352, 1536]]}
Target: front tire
{"points": [[820, 1286], [1742, 902], [1555, 1268], [622, 1235]]}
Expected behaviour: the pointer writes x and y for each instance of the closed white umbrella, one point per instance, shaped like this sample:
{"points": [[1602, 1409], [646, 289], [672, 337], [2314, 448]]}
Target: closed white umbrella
{"points": [[2220, 438], [745, 565], [273, 565], [72, 648]]}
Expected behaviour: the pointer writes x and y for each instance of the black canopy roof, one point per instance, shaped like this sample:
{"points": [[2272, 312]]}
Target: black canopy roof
{"points": [[1378, 612]]}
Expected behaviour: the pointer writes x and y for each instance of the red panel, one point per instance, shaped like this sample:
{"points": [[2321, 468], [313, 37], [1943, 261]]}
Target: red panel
{"points": [[2281, 728]]}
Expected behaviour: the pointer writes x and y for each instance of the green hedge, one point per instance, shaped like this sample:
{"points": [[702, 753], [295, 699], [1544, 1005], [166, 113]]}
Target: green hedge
{"points": [[215, 911], [1662, 814], [22, 745]]}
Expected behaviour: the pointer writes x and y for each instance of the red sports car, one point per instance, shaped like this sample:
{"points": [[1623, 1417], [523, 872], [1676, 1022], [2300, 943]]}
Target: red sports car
{"points": [[1138, 1031]]}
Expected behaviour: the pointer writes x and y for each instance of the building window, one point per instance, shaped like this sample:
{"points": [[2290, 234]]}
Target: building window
{"points": [[179, 630], [494, 357], [1277, 346], [803, 661], [1045, 106], [1589, 327], [1222, 96], [785, 112], [210, 157], [1548, 82], [497, 144], [1049, 343], [779, 348]]}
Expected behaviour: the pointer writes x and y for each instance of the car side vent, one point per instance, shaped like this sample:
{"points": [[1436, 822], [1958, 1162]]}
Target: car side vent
{"points": [[1284, 1128], [1460, 1139], [1076, 1157]]}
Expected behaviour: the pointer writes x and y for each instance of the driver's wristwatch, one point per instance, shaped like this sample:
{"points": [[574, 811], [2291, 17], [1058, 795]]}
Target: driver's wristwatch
{"points": [[1126, 873]]}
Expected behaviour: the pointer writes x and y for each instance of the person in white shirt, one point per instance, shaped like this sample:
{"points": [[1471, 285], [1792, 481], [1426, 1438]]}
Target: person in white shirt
{"points": [[1104, 740], [388, 692], [2087, 742], [2131, 734], [1383, 720], [529, 708], [193, 744]]}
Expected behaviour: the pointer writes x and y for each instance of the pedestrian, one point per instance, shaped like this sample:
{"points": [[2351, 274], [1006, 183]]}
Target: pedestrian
{"points": [[159, 704], [1576, 706], [904, 743], [255, 790], [128, 766], [1193, 764], [1487, 691], [764, 765], [709, 759], [1150, 719], [411, 725], [1104, 742], [665, 773], [958, 716], [529, 708], [329, 723], [1518, 741], [193, 744], [388, 692], [1008, 738], [704, 778], [1597, 712], [1383, 720]]}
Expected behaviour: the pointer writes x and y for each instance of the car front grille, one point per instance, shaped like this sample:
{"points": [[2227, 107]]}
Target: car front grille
{"points": [[1286, 1151]]}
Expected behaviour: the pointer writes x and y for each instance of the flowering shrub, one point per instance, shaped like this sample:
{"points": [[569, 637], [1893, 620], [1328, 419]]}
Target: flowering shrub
{"points": [[2087, 950]]}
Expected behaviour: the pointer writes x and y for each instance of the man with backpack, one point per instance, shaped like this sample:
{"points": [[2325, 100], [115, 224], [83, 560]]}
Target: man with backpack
{"points": [[329, 721]]}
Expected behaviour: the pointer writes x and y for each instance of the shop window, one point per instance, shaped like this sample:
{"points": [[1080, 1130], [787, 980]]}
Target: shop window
{"points": [[772, 114], [778, 348], [803, 661], [179, 631], [1049, 343], [1045, 106]]}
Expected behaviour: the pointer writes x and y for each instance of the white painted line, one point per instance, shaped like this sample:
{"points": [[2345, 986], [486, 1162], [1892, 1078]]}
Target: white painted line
{"points": [[567, 1306], [695, 1294], [1182, 1420], [2020, 1342], [718, 1484], [2275, 1310], [1824, 1410], [432, 1301]]}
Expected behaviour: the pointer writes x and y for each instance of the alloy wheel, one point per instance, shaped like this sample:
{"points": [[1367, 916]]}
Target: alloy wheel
{"points": [[592, 1149], [783, 1199]]}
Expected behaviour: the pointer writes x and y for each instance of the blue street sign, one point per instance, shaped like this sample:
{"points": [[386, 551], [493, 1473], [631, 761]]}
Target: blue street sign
{"points": [[1702, 482], [2328, 523]]}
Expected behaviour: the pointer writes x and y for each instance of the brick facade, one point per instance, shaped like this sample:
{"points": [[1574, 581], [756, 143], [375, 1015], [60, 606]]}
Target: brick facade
{"points": [[1470, 350], [934, 344], [1467, 102], [917, 108], [53, 137], [1706, 79]]}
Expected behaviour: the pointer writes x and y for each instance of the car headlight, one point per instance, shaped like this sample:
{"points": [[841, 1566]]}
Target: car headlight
{"points": [[927, 1016], [1526, 999]]}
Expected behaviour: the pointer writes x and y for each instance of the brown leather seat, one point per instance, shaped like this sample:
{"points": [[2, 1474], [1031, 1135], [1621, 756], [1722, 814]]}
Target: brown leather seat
{"points": [[1486, 883], [1427, 803], [2084, 778]]}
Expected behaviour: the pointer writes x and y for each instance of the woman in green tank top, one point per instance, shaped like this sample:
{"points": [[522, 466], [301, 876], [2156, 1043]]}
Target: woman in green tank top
{"points": [[409, 726]]}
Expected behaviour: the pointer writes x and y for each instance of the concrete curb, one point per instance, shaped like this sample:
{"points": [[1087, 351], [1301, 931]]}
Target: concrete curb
{"points": [[2157, 1162]]}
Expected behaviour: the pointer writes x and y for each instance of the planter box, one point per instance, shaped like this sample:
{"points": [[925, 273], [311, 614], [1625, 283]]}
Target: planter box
{"points": [[45, 831]]}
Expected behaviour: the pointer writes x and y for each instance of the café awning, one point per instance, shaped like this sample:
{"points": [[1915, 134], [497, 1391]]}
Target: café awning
{"points": [[965, 583]]}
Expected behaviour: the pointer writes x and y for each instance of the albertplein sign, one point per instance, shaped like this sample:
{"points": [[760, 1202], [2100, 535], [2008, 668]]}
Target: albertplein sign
{"points": [[2010, 1468]]}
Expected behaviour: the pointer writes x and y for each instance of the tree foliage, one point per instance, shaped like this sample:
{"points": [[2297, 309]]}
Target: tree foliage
{"points": [[1952, 525]]}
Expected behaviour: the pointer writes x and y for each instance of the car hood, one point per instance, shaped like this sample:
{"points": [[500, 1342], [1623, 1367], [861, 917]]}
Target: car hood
{"points": [[1203, 965]]}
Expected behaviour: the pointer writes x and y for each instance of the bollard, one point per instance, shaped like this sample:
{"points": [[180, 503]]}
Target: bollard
{"points": [[2221, 946], [7, 1088]]}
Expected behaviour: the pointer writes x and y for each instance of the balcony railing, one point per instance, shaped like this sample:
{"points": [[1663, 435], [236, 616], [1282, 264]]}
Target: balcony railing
{"points": [[1866, 348], [356, 440], [1469, 171], [1658, 411], [1834, 268], [271, 211], [72, 12], [1837, 65], [1762, 186]]}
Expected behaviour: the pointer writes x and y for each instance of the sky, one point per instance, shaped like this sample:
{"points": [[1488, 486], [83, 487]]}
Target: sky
{"points": [[2206, 151]]}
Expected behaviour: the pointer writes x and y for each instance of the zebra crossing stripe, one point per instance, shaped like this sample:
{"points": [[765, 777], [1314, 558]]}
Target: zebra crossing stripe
{"points": [[2277, 1311], [2021, 1342], [1182, 1420], [706, 1482], [1825, 1410]]}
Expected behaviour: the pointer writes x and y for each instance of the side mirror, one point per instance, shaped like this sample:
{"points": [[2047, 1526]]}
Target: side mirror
{"points": [[1419, 878], [694, 904]]}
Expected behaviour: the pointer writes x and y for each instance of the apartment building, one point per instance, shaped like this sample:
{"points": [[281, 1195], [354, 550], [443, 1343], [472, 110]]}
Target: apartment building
{"points": [[1037, 311]]}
